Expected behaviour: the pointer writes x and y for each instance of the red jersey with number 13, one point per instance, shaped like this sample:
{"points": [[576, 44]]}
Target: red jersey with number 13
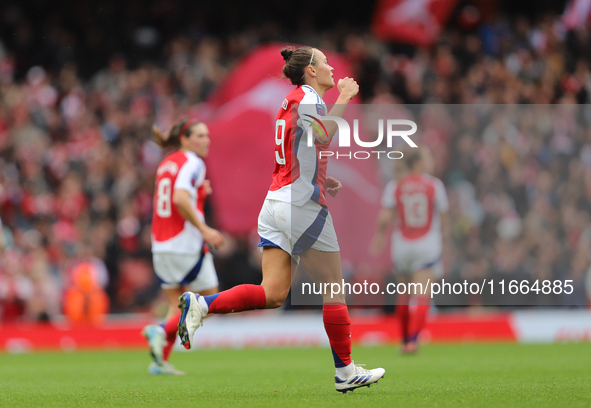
{"points": [[420, 199]]}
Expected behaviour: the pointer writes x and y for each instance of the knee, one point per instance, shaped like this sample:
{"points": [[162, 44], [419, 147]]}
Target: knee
{"points": [[275, 298], [274, 303]]}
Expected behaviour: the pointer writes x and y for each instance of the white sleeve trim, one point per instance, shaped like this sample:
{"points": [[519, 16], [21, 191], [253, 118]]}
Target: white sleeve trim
{"points": [[192, 168]]}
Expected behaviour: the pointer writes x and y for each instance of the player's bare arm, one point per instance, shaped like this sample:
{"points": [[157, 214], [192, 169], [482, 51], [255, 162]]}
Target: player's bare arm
{"points": [[182, 201], [348, 88], [207, 186], [378, 242]]}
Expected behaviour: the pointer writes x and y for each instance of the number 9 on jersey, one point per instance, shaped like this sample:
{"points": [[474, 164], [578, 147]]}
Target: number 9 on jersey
{"points": [[280, 142]]}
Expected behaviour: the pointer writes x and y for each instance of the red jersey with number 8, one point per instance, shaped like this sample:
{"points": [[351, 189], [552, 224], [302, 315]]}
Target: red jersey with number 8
{"points": [[170, 231]]}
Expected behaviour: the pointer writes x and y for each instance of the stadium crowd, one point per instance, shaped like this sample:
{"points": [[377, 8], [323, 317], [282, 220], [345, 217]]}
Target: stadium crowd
{"points": [[77, 162]]}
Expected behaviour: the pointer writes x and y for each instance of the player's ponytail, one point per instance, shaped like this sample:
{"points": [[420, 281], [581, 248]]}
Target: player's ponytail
{"points": [[172, 138], [296, 61]]}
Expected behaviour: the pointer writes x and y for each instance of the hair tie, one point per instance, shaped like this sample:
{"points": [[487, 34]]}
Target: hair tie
{"points": [[186, 126]]}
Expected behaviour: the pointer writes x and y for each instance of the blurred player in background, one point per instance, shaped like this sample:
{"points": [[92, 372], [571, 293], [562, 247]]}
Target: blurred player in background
{"points": [[294, 222], [181, 258], [418, 203]]}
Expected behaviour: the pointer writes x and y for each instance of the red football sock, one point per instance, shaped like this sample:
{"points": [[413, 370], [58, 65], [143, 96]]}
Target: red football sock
{"points": [[403, 313], [419, 316], [170, 328], [171, 325], [338, 328], [238, 299], [168, 348]]}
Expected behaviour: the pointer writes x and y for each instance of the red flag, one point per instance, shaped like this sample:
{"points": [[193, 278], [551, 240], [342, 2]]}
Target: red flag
{"points": [[417, 22]]}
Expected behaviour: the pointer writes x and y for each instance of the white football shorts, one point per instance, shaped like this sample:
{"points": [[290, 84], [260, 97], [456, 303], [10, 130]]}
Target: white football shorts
{"points": [[410, 256], [195, 271], [296, 228]]}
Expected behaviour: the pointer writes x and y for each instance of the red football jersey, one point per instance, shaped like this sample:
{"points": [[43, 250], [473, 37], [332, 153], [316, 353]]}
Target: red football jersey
{"points": [[170, 231], [419, 198], [299, 173]]}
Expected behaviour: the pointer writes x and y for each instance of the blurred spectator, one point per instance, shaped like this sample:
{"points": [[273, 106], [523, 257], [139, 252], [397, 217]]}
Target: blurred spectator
{"points": [[77, 164], [85, 300]]}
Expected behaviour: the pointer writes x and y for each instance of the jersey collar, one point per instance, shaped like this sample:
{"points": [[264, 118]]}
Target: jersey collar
{"points": [[314, 90]]}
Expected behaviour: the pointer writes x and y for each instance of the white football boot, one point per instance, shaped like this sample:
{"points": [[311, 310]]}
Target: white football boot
{"points": [[191, 318], [359, 378], [156, 339], [164, 369]]}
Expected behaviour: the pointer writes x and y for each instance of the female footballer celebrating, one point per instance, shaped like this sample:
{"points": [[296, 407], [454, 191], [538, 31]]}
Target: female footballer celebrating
{"points": [[294, 223], [181, 259]]}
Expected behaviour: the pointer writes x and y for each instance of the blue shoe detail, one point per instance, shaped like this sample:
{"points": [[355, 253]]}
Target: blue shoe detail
{"points": [[353, 380], [165, 369], [338, 380], [184, 306], [185, 299], [154, 369]]}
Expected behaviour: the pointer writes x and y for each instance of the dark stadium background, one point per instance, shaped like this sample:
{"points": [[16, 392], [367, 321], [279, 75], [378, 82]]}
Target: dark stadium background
{"points": [[90, 32]]}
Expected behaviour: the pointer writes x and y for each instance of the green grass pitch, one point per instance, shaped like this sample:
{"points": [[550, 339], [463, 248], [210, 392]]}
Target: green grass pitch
{"points": [[492, 375]]}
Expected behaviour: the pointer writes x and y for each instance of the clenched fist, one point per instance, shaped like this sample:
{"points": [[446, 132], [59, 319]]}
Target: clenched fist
{"points": [[348, 87]]}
